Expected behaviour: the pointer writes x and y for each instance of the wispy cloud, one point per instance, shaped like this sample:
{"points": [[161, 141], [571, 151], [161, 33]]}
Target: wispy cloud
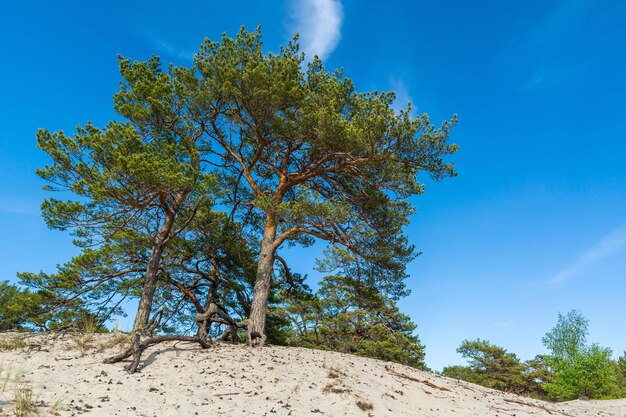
{"points": [[608, 245], [319, 25], [403, 97], [544, 56], [557, 25], [163, 45], [173, 51]]}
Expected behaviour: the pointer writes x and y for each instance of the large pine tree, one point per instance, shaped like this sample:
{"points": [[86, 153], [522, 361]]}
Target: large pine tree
{"points": [[281, 152]]}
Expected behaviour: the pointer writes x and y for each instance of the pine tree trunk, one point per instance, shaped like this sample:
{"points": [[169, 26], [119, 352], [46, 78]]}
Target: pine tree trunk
{"points": [[258, 310], [150, 280]]}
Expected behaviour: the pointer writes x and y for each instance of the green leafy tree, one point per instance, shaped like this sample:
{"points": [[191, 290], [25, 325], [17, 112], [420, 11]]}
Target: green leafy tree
{"points": [[16, 306], [98, 281], [132, 187], [135, 176], [464, 373], [291, 154], [41, 310], [349, 316], [620, 375], [539, 373], [307, 157], [580, 369], [493, 367], [209, 263], [206, 269]]}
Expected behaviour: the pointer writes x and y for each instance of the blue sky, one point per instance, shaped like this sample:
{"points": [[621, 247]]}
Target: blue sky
{"points": [[535, 222]]}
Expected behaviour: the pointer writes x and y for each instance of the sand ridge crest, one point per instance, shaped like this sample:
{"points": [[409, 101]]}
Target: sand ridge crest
{"points": [[180, 379]]}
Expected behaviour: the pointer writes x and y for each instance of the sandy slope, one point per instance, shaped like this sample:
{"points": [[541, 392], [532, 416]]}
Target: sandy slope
{"points": [[178, 379]]}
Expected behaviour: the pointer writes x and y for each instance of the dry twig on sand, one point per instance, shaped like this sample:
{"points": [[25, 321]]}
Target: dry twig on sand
{"points": [[528, 404], [410, 378]]}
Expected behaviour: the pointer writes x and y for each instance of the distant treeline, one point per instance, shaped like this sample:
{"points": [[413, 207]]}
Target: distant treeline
{"points": [[573, 369]]}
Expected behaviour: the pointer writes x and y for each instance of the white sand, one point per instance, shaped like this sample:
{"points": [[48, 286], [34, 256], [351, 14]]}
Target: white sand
{"points": [[180, 379]]}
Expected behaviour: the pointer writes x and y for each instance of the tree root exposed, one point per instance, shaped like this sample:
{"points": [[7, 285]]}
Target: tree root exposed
{"points": [[410, 378], [213, 314], [528, 404], [138, 347]]}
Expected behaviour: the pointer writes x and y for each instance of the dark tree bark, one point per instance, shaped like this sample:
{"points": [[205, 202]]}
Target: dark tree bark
{"points": [[150, 281]]}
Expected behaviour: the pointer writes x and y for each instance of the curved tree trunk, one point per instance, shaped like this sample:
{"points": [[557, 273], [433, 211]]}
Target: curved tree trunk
{"points": [[258, 310], [150, 280]]}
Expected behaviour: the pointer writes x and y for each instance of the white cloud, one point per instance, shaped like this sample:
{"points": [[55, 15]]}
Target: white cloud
{"points": [[608, 245], [319, 24], [160, 45], [403, 96], [170, 50]]}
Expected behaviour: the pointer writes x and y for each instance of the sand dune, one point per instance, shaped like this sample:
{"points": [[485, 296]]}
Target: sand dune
{"points": [[68, 378]]}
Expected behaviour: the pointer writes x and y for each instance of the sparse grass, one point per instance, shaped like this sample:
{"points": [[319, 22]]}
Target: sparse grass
{"points": [[58, 404], [7, 376], [83, 342], [335, 373], [23, 402], [13, 342], [23, 399], [332, 373], [18, 375], [335, 389], [88, 325], [86, 330], [118, 339]]}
